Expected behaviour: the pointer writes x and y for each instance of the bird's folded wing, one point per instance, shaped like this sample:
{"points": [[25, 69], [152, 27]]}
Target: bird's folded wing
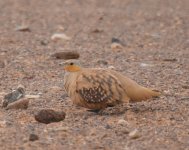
{"points": [[96, 86]]}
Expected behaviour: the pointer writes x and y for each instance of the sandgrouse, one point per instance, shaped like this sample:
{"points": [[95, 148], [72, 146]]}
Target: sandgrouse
{"points": [[98, 88]]}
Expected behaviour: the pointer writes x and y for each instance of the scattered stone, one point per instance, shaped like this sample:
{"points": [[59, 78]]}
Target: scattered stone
{"points": [[2, 63], [33, 137], [146, 65], [101, 61], [60, 36], [97, 31], [3, 124], [14, 96], [115, 46], [134, 134], [19, 104], [111, 67], [23, 28], [66, 55], [185, 86], [116, 40], [44, 42], [170, 59], [123, 122], [32, 96], [49, 116]]}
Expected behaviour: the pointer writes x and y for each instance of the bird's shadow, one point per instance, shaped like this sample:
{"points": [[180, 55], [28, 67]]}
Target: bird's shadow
{"points": [[123, 108]]}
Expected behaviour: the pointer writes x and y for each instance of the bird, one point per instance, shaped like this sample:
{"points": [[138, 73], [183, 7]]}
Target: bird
{"points": [[98, 88]]}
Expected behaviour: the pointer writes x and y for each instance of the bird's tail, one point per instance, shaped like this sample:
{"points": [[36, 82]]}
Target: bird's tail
{"points": [[141, 93]]}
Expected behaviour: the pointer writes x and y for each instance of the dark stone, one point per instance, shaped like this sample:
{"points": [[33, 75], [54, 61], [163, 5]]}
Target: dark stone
{"points": [[48, 116], [33, 137]]}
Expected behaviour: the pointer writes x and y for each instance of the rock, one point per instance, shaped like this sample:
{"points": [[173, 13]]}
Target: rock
{"points": [[111, 67], [134, 134], [49, 116], [122, 122], [60, 36], [66, 55], [32, 96], [101, 61], [19, 104], [44, 42], [97, 31], [115, 46], [24, 28], [116, 40], [2, 63], [14, 96], [170, 59], [33, 137], [146, 65]]}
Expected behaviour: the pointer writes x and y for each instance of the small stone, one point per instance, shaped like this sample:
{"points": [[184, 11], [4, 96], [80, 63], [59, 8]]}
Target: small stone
{"points": [[116, 40], [134, 134], [66, 55], [145, 65], [97, 31], [115, 46], [122, 122], [111, 67], [2, 63], [101, 61], [3, 124], [49, 116], [60, 36], [23, 28], [33, 137], [44, 42], [170, 59], [14, 96], [32, 96], [19, 104]]}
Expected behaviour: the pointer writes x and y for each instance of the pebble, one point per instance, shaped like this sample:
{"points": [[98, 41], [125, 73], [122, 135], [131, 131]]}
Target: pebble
{"points": [[145, 65], [170, 59], [23, 28], [66, 55], [97, 31], [115, 40], [19, 104], [115, 46], [101, 61], [134, 134], [2, 63], [48, 116], [14, 96], [122, 122], [33, 137], [60, 36], [32, 96], [111, 67]]}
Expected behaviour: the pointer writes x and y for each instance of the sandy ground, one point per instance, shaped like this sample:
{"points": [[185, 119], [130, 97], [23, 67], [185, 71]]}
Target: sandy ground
{"points": [[155, 34]]}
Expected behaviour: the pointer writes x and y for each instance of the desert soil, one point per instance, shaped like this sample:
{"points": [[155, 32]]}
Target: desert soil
{"points": [[155, 36]]}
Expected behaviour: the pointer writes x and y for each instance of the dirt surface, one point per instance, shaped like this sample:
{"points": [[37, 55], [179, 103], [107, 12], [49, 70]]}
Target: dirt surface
{"points": [[155, 35]]}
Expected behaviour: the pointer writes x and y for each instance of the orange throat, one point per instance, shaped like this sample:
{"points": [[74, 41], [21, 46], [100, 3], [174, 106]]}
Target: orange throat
{"points": [[72, 68]]}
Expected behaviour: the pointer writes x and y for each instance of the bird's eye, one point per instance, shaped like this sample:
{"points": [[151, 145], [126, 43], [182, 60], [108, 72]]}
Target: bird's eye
{"points": [[71, 63]]}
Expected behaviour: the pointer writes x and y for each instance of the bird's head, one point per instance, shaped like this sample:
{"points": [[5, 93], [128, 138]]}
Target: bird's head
{"points": [[72, 65]]}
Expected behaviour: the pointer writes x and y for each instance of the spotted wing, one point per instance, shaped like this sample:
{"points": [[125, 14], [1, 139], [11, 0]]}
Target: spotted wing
{"points": [[98, 86]]}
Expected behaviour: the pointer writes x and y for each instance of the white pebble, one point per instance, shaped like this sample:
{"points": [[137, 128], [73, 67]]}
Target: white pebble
{"points": [[60, 36]]}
